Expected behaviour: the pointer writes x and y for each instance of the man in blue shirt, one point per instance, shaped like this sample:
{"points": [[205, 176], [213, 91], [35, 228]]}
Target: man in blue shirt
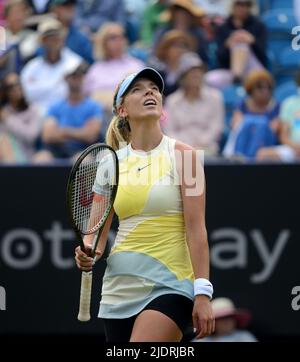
{"points": [[74, 123]]}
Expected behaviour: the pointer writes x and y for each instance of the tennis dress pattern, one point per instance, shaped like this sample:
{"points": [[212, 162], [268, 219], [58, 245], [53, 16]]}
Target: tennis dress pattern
{"points": [[150, 256]]}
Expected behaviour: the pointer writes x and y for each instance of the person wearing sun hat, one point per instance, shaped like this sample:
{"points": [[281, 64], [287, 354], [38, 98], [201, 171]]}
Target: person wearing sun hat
{"points": [[231, 323], [172, 45], [184, 15]]}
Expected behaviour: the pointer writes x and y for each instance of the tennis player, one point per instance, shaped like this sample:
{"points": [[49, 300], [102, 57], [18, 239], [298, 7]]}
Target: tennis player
{"points": [[157, 276]]}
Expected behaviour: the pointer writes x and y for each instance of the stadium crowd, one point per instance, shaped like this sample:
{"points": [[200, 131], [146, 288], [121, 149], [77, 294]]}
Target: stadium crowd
{"points": [[231, 65]]}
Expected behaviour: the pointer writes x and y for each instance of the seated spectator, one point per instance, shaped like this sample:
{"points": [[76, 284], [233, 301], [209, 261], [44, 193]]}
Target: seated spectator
{"points": [[92, 14], [22, 42], [75, 40], [72, 123], [20, 123], [195, 111], [230, 323], [43, 77], [184, 15], [215, 14], [289, 135], [255, 123], [241, 45], [151, 20], [113, 63], [172, 45]]}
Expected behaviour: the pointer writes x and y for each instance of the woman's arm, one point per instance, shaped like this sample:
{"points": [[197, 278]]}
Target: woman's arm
{"points": [[190, 169], [84, 260]]}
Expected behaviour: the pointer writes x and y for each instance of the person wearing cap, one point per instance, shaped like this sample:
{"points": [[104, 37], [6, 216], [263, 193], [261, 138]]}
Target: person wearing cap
{"points": [[64, 10], [231, 323], [195, 111], [156, 279], [241, 45], [71, 124], [43, 77]]}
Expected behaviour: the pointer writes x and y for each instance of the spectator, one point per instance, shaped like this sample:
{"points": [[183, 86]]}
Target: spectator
{"points": [[113, 63], [255, 122], [22, 42], [172, 45], [241, 45], [73, 123], [20, 123], [151, 20], [75, 40], [289, 135], [43, 77], [230, 323], [195, 111], [92, 14], [184, 15]]}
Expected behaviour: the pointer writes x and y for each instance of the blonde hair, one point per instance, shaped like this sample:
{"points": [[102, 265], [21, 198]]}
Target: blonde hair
{"points": [[118, 131], [99, 39]]}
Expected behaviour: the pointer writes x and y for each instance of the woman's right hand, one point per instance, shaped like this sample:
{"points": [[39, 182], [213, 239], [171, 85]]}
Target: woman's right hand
{"points": [[83, 259]]}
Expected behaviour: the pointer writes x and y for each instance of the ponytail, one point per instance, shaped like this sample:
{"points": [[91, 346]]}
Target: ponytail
{"points": [[118, 133]]}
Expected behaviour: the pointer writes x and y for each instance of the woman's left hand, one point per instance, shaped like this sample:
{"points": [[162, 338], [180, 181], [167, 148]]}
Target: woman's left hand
{"points": [[203, 319]]}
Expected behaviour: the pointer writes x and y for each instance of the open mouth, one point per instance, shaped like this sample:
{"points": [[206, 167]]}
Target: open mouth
{"points": [[150, 102]]}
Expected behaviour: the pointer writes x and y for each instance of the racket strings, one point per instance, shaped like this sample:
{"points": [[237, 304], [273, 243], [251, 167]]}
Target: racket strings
{"points": [[90, 208]]}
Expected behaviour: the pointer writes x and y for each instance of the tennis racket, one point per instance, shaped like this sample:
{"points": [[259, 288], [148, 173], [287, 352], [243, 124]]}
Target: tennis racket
{"points": [[91, 191]]}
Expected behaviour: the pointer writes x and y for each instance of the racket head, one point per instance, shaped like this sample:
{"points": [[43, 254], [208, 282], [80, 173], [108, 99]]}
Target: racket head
{"points": [[96, 169]]}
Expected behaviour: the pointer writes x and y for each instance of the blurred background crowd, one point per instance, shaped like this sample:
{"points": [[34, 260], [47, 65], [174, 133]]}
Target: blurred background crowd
{"points": [[231, 69]]}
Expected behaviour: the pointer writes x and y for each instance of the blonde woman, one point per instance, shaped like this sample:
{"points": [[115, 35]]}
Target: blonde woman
{"points": [[156, 280]]}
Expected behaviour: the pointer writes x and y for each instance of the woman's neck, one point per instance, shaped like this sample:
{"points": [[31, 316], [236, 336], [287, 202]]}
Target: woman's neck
{"points": [[145, 137], [259, 106]]}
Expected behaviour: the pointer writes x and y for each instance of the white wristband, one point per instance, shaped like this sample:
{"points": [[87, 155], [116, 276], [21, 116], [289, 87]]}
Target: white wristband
{"points": [[204, 287]]}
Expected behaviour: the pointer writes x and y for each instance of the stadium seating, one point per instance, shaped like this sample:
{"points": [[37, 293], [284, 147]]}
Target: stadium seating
{"points": [[285, 90], [232, 96]]}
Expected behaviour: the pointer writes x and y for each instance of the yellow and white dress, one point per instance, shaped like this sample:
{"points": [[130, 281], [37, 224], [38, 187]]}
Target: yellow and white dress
{"points": [[150, 256]]}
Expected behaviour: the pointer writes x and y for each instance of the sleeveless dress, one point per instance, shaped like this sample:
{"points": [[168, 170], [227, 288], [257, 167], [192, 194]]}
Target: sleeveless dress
{"points": [[150, 256]]}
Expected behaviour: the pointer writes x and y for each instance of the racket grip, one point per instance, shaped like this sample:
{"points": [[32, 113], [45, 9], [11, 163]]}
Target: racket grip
{"points": [[85, 296]]}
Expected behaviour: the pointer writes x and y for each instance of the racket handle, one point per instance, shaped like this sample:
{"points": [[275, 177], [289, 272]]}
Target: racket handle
{"points": [[85, 296]]}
